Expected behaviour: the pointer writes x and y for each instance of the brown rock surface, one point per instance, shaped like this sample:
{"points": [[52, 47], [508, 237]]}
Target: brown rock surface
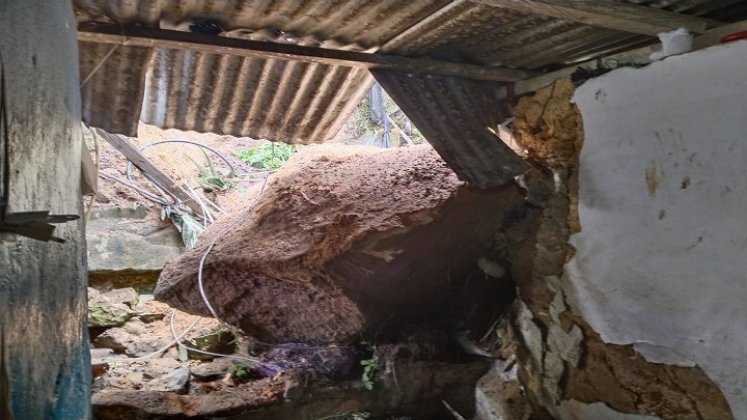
{"points": [[338, 244]]}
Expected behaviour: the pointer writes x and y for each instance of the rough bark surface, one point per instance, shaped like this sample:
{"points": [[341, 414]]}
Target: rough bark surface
{"points": [[561, 357], [338, 245], [43, 285]]}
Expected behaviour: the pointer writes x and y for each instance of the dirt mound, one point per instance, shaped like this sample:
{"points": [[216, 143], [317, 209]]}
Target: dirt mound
{"points": [[343, 244]]}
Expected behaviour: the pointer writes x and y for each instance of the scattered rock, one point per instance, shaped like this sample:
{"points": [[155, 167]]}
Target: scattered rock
{"points": [[499, 395], [142, 405], [137, 338], [133, 339], [175, 381], [222, 342], [417, 393], [99, 364], [150, 310], [334, 247], [156, 368], [213, 370], [108, 309]]}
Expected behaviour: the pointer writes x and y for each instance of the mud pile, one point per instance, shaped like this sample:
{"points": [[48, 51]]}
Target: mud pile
{"points": [[343, 244]]}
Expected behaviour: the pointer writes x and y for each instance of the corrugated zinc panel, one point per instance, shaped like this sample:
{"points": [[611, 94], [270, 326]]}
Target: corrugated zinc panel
{"points": [[367, 23], [288, 101], [495, 36], [272, 99], [454, 115], [112, 85]]}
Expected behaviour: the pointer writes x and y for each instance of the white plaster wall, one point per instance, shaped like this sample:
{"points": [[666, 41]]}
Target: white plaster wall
{"points": [[661, 261]]}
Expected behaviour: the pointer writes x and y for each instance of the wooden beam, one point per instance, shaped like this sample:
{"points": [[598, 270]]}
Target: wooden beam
{"points": [[638, 56], [608, 14], [150, 170], [211, 44]]}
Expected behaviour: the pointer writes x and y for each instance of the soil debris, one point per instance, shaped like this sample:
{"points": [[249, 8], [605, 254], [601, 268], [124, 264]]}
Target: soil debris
{"points": [[343, 244]]}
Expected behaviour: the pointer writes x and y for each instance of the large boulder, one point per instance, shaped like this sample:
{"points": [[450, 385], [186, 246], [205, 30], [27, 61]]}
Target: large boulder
{"points": [[342, 244]]}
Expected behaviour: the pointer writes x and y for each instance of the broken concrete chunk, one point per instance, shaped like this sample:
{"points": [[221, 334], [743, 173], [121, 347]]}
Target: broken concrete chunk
{"points": [[340, 245], [175, 381]]}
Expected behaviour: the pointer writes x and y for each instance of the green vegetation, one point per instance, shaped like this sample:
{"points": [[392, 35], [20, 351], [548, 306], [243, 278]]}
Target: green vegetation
{"points": [[210, 179], [187, 226], [370, 366], [240, 372], [268, 157], [360, 126]]}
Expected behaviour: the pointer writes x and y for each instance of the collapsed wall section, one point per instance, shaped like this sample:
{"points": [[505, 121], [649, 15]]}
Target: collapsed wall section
{"points": [[616, 318]]}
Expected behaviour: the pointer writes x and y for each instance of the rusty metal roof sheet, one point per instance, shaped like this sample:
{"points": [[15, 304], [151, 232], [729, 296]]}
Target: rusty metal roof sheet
{"points": [[365, 23], [111, 85], [456, 115], [273, 99], [288, 101]]}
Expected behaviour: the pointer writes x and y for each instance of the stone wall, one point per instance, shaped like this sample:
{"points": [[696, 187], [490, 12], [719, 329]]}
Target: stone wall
{"points": [[630, 299], [43, 285]]}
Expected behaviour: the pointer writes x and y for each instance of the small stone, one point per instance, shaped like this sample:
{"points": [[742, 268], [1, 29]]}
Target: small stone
{"points": [[213, 370], [135, 345], [125, 295], [491, 268], [136, 378], [149, 310], [176, 381], [119, 382], [134, 326], [156, 368], [99, 364], [228, 381], [116, 339], [217, 342], [103, 312]]}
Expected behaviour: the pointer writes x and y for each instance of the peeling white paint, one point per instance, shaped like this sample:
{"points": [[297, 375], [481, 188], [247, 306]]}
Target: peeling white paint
{"points": [[661, 261]]}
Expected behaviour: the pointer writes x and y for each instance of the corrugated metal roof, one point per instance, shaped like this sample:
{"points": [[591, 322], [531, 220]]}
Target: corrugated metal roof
{"points": [[300, 102], [112, 88], [493, 36], [366, 23], [454, 115], [273, 99], [288, 101]]}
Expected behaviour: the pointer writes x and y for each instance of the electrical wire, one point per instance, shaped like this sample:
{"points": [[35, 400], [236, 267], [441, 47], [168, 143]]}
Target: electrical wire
{"points": [[150, 196], [168, 346], [177, 340]]}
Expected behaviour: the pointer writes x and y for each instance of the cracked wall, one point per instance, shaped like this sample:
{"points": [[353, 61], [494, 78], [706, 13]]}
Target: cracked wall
{"points": [[587, 301]]}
